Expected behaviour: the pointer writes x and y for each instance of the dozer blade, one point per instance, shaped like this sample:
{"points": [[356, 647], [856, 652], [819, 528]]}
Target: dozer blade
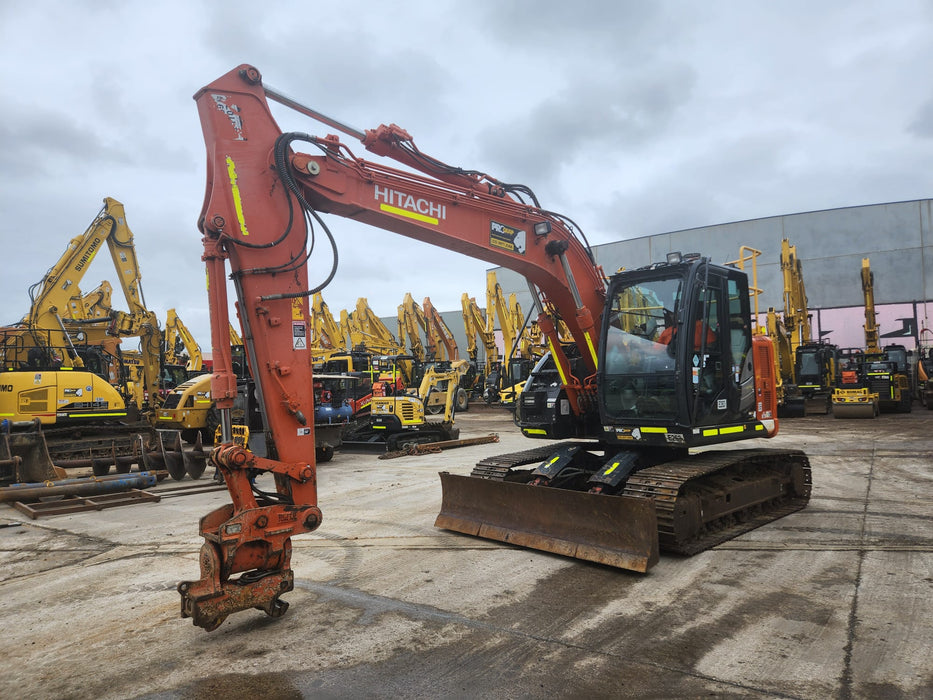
{"points": [[618, 531]]}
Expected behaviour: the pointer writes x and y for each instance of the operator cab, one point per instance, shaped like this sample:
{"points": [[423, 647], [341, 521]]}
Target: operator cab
{"points": [[675, 353], [814, 365]]}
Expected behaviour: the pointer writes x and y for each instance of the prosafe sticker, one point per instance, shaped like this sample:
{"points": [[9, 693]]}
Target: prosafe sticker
{"points": [[507, 238]]}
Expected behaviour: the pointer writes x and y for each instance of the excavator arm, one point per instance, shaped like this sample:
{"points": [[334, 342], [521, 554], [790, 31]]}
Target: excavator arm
{"points": [[371, 332], [464, 211], [96, 303], [497, 307], [871, 322], [56, 299], [476, 325], [439, 334], [328, 336], [259, 219], [177, 336], [411, 324], [796, 313]]}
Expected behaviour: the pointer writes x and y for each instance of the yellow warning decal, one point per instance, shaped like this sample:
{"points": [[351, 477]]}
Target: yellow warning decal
{"points": [[593, 353], [534, 431], [235, 190], [409, 214], [99, 415], [560, 370], [662, 431], [730, 430]]}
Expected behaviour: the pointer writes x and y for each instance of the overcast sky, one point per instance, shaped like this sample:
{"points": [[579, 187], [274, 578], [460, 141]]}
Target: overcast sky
{"points": [[632, 118]]}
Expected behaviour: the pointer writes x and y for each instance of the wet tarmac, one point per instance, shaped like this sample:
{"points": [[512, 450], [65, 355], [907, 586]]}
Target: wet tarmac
{"points": [[829, 602]]}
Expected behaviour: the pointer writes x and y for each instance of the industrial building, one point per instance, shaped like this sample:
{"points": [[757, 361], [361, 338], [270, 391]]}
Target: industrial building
{"points": [[831, 243]]}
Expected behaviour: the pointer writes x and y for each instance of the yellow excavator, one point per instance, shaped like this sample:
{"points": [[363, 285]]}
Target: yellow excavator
{"points": [[521, 350], [787, 330], [69, 398], [180, 345], [477, 324], [436, 352], [440, 339], [328, 336], [411, 326], [442, 346], [367, 331], [397, 414], [854, 397]]}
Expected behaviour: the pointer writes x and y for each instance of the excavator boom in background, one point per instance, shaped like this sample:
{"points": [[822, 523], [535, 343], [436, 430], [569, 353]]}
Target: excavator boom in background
{"points": [[65, 368], [662, 359], [440, 337], [180, 345], [411, 326]]}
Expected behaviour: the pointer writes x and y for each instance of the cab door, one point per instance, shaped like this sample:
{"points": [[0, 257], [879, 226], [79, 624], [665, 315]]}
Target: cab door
{"points": [[719, 368]]}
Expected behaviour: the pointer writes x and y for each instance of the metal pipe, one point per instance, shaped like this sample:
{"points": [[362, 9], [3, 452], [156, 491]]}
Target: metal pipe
{"points": [[89, 462], [71, 345], [571, 282], [281, 98], [534, 297], [90, 487], [75, 480]]}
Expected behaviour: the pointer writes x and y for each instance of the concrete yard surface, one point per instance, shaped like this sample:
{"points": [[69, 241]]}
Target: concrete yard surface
{"points": [[831, 602]]}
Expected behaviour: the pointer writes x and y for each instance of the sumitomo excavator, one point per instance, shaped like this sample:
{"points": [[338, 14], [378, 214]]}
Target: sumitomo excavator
{"points": [[663, 360]]}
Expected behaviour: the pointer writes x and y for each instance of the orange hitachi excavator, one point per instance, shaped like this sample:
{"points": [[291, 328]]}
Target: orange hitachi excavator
{"points": [[622, 486]]}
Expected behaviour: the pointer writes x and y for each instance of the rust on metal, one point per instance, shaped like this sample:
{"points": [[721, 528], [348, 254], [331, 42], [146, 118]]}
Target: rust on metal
{"points": [[26, 457], [214, 596], [617, 531], [165, 451], [78, 504], [436, 447], [250, 538]]}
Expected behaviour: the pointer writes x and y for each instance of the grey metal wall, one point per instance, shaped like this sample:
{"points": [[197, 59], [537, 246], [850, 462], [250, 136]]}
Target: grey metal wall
{"points": [[896, 237]]}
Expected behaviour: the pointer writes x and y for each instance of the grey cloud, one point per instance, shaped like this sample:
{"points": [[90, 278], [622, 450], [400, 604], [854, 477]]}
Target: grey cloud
{"points": [[556, 25], [922, 124], [590, 117], [354, 77], [37, 139]]}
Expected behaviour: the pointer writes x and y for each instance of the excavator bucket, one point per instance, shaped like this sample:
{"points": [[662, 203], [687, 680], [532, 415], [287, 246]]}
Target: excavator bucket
{"points": [[28, 453], [618, 531]]}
